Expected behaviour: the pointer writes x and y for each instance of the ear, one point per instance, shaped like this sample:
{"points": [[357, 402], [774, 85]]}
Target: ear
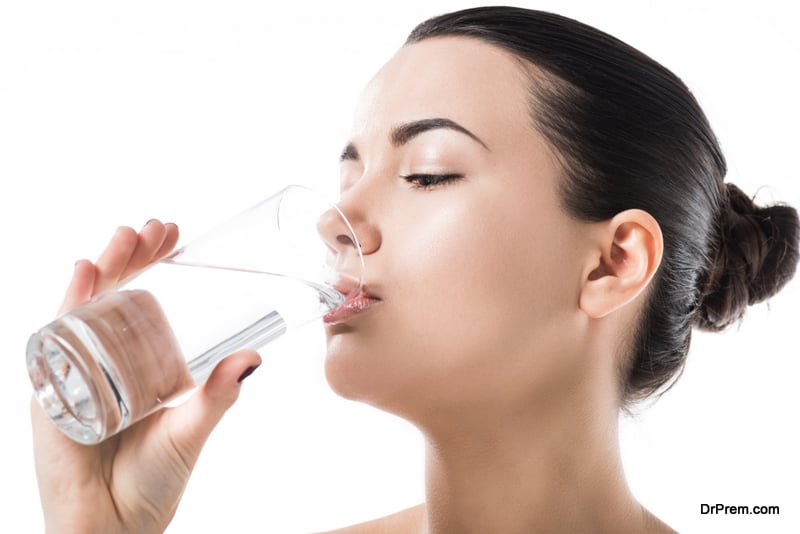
{"points": [[630, 246]]}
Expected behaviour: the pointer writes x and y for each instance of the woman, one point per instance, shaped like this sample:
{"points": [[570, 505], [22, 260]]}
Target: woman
{"points": [[543, 217]]}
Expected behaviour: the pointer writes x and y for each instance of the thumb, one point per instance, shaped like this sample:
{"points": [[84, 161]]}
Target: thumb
{"points": [[194, 420]]}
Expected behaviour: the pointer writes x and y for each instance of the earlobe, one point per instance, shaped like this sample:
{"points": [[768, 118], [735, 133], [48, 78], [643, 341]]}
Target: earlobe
{"points": [[630, 246]]}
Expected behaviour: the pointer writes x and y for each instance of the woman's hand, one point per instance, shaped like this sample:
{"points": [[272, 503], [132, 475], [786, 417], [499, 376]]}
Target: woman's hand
{"points": [[133, 481]]}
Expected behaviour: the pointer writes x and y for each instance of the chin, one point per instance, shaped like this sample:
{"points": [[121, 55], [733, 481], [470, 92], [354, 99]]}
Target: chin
{"points": [[358, 373], [342, 369]]}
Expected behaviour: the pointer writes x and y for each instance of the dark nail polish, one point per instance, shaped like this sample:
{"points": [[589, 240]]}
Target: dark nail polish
{"points": [[247, 372]]}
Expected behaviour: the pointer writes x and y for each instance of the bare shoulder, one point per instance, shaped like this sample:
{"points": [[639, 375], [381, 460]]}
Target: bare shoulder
{"points": [[408, 521], [655, 525]]}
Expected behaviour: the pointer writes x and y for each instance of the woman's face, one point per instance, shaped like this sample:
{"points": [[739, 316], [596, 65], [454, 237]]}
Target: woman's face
{"points": [[475, 264]]}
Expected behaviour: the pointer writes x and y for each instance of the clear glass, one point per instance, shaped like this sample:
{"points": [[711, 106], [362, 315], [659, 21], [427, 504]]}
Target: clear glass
{"points": [[156, 335]]}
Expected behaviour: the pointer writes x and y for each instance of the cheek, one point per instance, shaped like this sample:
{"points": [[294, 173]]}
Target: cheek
{"points": [[441, 251], [472, 289], [434, 267], [473, 277]]}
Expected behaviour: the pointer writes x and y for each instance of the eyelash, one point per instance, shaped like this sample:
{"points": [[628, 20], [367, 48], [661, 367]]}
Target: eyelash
{"points": [[429, 181]]}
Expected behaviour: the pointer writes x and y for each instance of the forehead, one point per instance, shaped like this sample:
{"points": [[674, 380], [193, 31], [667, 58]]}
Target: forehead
{"points": [[474, 83]]}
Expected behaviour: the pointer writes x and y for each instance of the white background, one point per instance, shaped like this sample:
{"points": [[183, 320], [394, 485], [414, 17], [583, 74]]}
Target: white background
{"points": [[112, 113]]}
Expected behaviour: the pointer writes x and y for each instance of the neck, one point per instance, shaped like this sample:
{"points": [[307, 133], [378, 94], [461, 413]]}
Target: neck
{"points": [[553, 470]]}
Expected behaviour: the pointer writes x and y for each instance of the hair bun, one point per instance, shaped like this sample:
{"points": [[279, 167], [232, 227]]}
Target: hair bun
{"points": [[757, 255]]}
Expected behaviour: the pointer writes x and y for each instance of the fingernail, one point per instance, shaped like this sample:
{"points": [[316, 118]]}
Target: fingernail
{"points": [[247, 372]]}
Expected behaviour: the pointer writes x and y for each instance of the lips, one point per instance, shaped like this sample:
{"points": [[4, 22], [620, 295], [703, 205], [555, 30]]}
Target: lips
{"points": [[357, 301]]}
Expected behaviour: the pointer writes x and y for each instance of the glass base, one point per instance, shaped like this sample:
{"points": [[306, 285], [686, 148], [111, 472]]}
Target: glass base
{"points": [[64, 388]]}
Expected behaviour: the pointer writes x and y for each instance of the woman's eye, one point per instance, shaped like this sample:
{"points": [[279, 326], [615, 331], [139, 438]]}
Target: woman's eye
{"points": [[427, 181]]}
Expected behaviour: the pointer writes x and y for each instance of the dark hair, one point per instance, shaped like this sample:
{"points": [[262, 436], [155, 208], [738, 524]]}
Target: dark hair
{"points": [[631, 135]]}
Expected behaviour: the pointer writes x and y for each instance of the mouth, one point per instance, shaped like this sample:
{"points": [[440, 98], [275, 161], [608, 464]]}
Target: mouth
{"points": [[357, 301]]}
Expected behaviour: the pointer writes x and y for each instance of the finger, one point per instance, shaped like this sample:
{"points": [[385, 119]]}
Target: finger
{"points": [[170, 240], [149, 243], [115, 258], [80, 287], [196, 418]]}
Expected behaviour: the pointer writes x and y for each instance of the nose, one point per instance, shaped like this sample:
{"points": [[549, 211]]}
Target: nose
{"points": [[347, 233], [348, 241]]}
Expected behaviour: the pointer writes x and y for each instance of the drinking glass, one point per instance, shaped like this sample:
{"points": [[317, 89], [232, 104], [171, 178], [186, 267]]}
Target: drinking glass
{"points": [[156, 335]]}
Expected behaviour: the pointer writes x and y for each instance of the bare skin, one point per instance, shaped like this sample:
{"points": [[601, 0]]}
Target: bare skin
{"points": [[413, 520], [495, 322], [512, 377], [410, 520]]}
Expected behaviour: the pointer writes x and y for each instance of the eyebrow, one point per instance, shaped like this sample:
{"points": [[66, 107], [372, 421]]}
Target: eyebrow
{"points": [[405, 132]]}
